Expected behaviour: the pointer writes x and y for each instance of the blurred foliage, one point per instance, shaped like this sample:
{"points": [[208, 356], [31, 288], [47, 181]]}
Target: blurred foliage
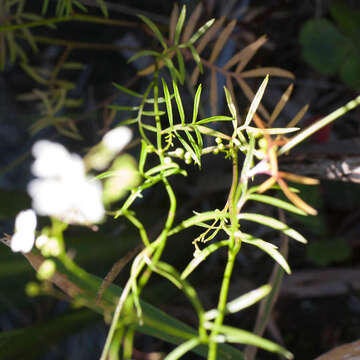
{"points": [[334, 49]]}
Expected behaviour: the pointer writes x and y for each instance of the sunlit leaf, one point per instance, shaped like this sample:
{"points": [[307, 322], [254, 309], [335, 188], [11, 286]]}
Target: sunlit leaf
{"points": [[273, 223]]}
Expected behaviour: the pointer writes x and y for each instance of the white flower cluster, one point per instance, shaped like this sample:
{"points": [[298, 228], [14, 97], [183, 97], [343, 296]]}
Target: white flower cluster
{"points": [[24, 236], [62, 189]]}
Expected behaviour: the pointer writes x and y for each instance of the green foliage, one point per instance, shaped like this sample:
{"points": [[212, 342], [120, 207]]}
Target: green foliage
{"points": [[328, 251], [171, 140], [334, 49]]}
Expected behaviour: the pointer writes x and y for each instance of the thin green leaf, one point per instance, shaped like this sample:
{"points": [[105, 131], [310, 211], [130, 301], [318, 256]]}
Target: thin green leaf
{"points": [[180, 60], [256, 101], [179, 103], [127, 91], [154, 28], [273, 223], [173, 71], [197, 58], [44, 7], [143, 53], [189, 149], [271, 131], [199, 138], [143, 156], [318, 125], [182, 349], [214, 119], [271, 250], [103, 7], [235, 335], [160, 168], [200, 257], [230, 103], [180, 24], [168, 103], [242, 302], [201, 31], [196, 104], [193, 144], [277, 202], [201, 217]]}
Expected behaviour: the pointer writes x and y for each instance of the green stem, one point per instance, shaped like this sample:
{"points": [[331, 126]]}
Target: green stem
{"points": [[318, 125], [222, 301]]}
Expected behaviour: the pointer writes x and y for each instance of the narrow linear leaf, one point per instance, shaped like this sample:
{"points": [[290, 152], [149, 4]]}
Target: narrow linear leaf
{"points": [[209, 35], [155, 29], [197, 59], [221, 41], [300, 203], [201, 31], [250, 95], [273, 223], [277, 203], [179, 25], [196, 104], [201, 217], [213, 92], [180, 60], [160, 168], [230, 103], [298, 116], [103, 7], [242, 302], [190, 25], [193, 144], [245, 55], [142, 54], [189, 149], [168, 103], [270, 250], [214, 119], [272, 71], [173, 19], [256, 101], [127, 91], [199, 139], [236, 335], [230, 87], [200, 257], [173, 71], [272, 131], [281, 104], [179, 103], [182, 349]]}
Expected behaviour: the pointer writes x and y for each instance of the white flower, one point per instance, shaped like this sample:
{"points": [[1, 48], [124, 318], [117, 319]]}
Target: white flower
{"points": [[116, 139], [62, 189], [24, 236]]}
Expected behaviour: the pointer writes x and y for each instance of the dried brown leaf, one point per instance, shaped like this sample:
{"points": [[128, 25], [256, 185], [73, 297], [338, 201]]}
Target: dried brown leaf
{"points": [[221, 41], [298, 178], [173, 21], [272, 71], [266, 185], [209, 35], [190, 26], [213, 93], [245, 55], [296, 200], [195, 76], [281, 104], [250, 95], [298, 116]]}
